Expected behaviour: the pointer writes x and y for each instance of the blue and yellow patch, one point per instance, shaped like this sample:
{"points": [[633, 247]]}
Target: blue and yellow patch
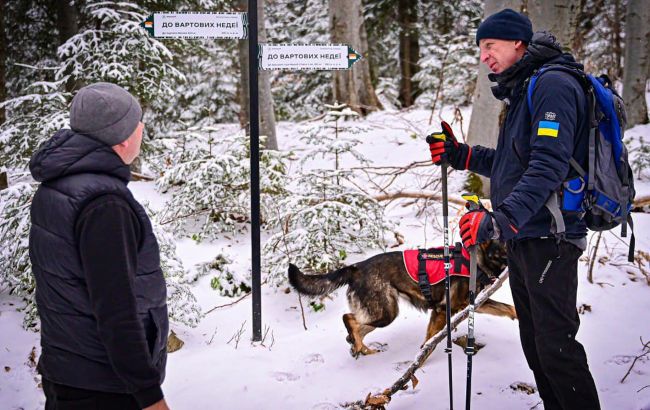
{"points": [[548, 129]]}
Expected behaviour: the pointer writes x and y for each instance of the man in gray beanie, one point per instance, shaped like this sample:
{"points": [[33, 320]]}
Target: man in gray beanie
{"points": [[100, 291], [543, 130]]}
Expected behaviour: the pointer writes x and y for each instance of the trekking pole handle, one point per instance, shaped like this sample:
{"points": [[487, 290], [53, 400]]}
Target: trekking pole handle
{"points": [[445, 135], [473, 202]]}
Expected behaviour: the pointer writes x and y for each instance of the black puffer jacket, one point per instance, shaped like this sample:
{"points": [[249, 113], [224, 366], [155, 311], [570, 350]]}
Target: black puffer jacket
{"points": [[79, 345]]}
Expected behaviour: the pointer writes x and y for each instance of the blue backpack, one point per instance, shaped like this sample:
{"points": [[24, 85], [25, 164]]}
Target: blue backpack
{"points": [[604, 192]]}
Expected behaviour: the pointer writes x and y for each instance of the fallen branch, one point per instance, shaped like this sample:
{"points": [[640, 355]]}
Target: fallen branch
{"points": [[227, 304], [427, 348], [592, 258], [640, 203], [302, 312], [416, 195], [644, 351], [136, 176]]}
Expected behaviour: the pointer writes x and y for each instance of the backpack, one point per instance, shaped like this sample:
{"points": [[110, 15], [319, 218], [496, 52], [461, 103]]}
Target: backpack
{"points": [[604, 192]]}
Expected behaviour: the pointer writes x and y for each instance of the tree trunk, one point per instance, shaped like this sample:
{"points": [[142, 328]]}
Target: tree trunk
{"points": [[66, 23], [266, 108], [484, 123], [409, 50], [352, 86], [637, 62], [66, 20], [4, 184], [3, 60], [267, 111], [560, 17]]}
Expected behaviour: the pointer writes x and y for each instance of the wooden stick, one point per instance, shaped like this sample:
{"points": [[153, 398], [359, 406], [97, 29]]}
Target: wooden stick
{"points": [[427, 348], [416, 195], [227, 304], [141, 177]]}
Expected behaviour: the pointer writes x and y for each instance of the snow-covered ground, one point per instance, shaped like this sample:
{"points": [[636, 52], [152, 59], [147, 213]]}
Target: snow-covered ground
{"points": [[294, 368]]}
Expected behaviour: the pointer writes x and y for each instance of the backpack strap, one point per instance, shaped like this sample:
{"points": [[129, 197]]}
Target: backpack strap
{"points": [[591, 154], [630, 255], [553, 206]]}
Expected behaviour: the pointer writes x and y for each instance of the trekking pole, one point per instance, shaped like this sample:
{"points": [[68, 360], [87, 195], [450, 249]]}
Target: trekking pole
{"points": [[473, 204], [444, 136]]}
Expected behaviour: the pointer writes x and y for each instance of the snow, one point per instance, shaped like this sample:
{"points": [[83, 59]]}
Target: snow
{"points": [[294, 368]]}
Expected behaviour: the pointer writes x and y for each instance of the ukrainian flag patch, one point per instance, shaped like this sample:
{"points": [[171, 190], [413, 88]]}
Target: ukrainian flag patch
{"points": [[548, 129]]}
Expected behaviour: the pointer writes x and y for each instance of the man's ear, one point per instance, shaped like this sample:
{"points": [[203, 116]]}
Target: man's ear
{"points": [[519, 44]]}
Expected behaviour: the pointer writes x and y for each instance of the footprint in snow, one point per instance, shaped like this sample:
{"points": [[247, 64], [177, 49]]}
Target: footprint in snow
{"points": [[401, 366], [284, 376], [325, 406], [314, 358]]}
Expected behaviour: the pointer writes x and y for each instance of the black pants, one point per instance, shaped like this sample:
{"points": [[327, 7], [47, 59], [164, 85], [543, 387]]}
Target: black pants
{"points": [[59, 397], [544, 283]]}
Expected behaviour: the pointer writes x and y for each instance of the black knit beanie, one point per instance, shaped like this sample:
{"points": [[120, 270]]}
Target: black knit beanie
{"points": [[506, 25]]}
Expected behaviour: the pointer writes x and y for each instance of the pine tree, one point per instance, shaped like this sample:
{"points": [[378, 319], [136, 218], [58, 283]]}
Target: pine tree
{"points": [[325, 217], [449, 62], [208, 177], [298, 94]]}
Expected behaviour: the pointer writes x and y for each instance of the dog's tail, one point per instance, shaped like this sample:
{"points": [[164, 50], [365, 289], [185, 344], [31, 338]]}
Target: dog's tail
{"points": [[318, 285]]}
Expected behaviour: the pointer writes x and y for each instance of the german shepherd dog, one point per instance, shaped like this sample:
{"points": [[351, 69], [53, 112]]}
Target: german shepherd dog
{"points": [[376, 284]]}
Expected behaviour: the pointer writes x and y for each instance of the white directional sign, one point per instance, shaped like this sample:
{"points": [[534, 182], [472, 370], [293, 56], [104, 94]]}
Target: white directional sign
{"points": [[307, 56], [197, 25]]}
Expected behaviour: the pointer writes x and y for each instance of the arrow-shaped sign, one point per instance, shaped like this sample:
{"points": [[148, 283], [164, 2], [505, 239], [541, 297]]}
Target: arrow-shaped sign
{"points": [[197, 25], [307, 56]]}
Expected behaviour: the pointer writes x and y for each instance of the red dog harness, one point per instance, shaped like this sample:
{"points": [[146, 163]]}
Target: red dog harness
{"points": [[435, 263]]}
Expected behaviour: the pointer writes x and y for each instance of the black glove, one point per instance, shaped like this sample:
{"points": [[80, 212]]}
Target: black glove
{"points": [[445, 149]]}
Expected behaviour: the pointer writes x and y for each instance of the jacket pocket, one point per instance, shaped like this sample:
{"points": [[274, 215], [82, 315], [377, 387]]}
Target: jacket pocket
{"points": [[161, 323]]}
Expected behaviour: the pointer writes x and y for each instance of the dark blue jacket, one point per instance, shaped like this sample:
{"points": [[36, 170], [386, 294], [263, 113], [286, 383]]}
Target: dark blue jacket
{"points": [[81, 342], [531, 159]]}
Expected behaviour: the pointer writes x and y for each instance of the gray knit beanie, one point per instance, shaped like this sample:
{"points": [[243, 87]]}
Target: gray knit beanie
{"points": [[105, 112]]}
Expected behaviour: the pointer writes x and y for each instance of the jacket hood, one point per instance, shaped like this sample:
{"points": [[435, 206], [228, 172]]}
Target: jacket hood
{"points": [[543, 49], [69, 153]]}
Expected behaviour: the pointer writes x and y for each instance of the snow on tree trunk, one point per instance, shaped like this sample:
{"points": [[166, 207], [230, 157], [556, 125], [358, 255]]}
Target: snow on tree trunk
{"points": [[409, 50], [266, 108], [637, 62], [352, 87]]}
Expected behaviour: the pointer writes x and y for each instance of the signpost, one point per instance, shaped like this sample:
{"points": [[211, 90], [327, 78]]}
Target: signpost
{"points": [[307, 56], [254, 120], [264, 57], [197, 25]]}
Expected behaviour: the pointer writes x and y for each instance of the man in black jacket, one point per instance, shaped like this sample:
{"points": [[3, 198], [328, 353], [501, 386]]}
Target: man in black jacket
{"points": [[526, 169], [100, 292]]}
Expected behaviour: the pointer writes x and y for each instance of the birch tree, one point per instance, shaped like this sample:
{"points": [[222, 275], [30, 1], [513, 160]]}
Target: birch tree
{"points": [[637, 61], [352, 87]]}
